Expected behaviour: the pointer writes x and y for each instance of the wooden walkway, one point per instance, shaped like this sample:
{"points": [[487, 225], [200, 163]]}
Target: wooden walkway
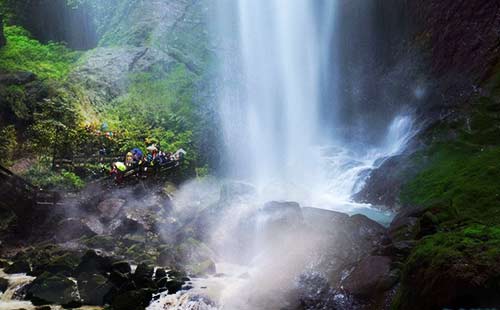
{"points": [[16, 193]]}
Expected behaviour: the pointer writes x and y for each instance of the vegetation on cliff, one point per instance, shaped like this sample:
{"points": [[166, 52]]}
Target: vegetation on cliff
{"points": [[460, 188]]}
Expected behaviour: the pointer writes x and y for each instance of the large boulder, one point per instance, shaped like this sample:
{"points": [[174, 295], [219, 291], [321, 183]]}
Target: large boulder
{"points": [[190, 255], [94, 288], [54, 290], [110, 208], [370, 277], [93, 262], [20, 266], [132, 300], [72, 228]]}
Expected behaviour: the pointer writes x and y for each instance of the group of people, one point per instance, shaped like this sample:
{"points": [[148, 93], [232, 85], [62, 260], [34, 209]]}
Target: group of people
{"points": [[154, 158]]}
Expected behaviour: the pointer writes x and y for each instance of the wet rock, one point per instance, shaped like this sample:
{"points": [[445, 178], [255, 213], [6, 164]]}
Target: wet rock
{"points": [[173, 286], [70, 229], [368, 233], [20, 266], [160, 273], [110, 208], [57, 263], [132, 300], [93, 262], [324, 219], [190, 255], [282, 214], [370, 277], [383, 186], [4, 284], [143, 276], [122, 267], [94, 288], [123, 282], [53, 289], [4, 263], [236, 191], [43, 308]]}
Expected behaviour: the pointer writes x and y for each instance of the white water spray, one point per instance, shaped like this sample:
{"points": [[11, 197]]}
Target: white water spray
{"points": [[273, 69]]}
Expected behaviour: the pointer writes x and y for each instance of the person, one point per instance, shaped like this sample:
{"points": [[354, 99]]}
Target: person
{"points": [[129, 159], [152, 156], [137, 156], [118, 169]]}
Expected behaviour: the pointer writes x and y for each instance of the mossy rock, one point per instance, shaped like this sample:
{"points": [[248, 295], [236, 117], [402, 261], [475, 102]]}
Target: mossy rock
{"points": [[53, 289], [94, 288], [101, 242]]}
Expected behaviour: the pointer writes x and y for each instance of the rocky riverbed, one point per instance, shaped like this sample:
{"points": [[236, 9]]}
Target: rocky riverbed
{"points": [[133, 248]]}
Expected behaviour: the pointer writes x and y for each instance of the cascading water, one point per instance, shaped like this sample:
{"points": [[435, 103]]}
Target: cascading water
{"points": [[279, 74], [281, 109]]}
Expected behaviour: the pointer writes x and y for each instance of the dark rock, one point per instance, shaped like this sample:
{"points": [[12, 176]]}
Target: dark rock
{"points": [[143, 276], [70, 229], [93, 262], [122, 281], [110, 208], [4, 263], [43, 308], [143, 270], [53, 289], [17, 78], [383, 186], [160, 273], [132, 300], [406, 224], [64, 264], [367, 231], [370, 277], [94, 288], [173, 286], [21, 266], [122, 267], [4, 284], [176, 274]]}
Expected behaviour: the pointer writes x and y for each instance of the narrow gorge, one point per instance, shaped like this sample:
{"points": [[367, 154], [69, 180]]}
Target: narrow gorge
{"points": [[249, 154]]}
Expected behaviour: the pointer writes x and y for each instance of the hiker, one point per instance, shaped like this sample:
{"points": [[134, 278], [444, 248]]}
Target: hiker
{"points": [[152, 156], [137, 156], [129, 159]]}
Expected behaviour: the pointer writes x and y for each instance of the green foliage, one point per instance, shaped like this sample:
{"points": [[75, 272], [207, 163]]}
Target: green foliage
{"points": [[8, 145], [158, 108], [23, 53], [42, 175], [460, 187]]}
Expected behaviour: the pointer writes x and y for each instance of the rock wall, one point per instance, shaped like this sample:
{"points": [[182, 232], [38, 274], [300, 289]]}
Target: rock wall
{"points": [[54, 20]]}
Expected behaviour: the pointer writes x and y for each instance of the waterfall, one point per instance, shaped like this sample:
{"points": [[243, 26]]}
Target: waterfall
{"points": [[271, 117], [282, 111]]}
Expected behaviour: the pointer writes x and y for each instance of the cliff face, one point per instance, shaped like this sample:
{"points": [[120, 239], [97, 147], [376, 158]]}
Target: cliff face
{"points": [[461, 37], [54, 20]]}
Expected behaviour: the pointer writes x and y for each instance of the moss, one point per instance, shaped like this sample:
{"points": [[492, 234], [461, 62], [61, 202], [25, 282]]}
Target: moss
{"points": [[459, 186], [22, 53]]}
